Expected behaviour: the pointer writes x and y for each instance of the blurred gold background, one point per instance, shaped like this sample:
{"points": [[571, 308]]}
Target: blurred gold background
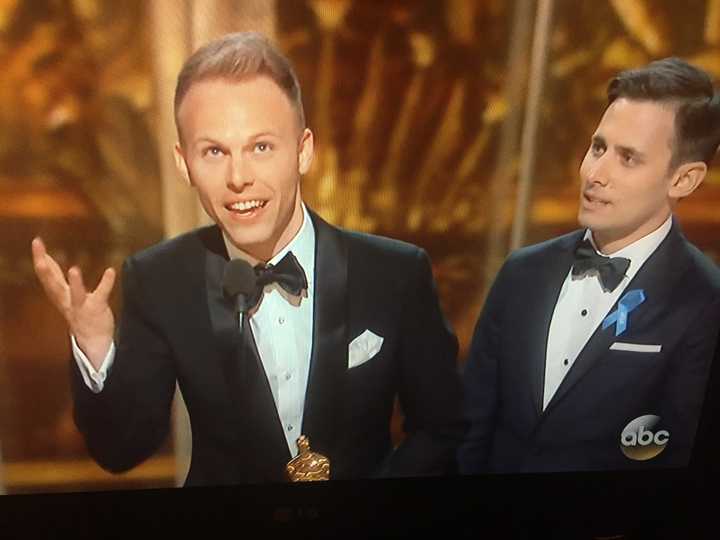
{"points": [[455, 125]]}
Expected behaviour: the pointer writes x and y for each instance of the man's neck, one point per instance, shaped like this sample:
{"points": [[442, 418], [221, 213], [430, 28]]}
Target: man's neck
{"points": [[608, 245]]}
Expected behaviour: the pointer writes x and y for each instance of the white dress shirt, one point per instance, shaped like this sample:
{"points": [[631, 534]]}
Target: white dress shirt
{"points": [[583, 304], [282, 327]]}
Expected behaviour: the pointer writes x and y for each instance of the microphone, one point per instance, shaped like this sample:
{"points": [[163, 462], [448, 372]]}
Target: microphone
{"points": [[239, 282]]}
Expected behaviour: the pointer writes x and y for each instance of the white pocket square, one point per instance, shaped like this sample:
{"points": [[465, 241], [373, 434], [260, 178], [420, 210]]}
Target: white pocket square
{"points": [[635, 347], [363, 348]]}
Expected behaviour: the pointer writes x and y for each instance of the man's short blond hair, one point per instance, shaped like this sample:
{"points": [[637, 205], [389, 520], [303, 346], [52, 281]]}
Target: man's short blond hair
{"points": [[235, 57]]}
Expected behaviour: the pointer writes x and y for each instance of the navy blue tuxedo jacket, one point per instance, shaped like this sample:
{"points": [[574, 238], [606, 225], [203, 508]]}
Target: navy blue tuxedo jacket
{"points": [[176, 325], [605, 389]]}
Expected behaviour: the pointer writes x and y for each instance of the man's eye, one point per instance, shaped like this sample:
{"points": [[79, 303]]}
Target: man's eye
{"points": [[213, 151], [262, 147], [597, 148], [628, 159]]}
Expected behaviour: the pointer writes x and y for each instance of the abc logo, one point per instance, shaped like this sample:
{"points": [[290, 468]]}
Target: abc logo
{"points": [[641, 440]]}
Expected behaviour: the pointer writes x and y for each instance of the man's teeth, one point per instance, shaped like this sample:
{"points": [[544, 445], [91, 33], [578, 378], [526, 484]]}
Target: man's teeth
{"points": [[247, 205]]}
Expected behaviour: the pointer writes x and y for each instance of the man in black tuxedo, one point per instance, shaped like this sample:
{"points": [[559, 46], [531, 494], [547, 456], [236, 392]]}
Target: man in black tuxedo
{"points": [[338, 324], [583, 334]]}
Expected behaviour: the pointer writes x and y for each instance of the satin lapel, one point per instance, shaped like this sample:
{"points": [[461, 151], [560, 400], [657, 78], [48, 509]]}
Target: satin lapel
{"points": [[547, 281], [657, 278], [328, 364], [247, 385], [223, 318]]}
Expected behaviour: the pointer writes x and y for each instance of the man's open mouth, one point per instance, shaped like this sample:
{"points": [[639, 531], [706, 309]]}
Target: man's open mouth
{"points": [[590, 199], [246, 207]]}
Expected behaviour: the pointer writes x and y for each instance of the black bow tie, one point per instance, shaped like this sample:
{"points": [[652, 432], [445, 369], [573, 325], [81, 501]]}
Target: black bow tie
{"points": [[611, 270], [247, 283]]}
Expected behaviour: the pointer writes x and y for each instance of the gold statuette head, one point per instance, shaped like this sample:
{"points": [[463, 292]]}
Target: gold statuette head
{"points": [[307, 466]]}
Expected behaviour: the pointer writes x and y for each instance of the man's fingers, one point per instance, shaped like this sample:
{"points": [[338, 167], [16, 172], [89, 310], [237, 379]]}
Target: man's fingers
{"points": [[38, 249], [48, 272], [69, 294], [77, 287], [41, 259], [105, 286]]}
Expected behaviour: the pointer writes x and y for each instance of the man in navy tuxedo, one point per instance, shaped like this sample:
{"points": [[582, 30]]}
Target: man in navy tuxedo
{"points": [[593, 349], [340, 323]]}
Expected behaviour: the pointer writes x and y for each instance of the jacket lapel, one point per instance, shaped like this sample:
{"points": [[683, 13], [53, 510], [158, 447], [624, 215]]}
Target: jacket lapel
{"points": [[328, 364], [657, 278], [247, 387], [547, 283], [223, 318]]}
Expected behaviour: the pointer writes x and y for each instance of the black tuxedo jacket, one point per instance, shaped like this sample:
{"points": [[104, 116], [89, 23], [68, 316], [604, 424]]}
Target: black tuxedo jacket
{"points": [[176, 325], [605, 389]]}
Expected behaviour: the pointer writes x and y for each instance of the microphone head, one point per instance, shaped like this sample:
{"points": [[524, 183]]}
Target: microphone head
{"points": [[239, 278]]}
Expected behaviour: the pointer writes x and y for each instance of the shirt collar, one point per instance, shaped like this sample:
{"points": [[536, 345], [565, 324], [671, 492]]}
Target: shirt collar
{"points": [[640, 250], [302, 245]]}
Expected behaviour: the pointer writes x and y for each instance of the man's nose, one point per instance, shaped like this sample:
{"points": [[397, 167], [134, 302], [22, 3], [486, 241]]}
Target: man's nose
{"points": [[598, 171], [240, 174]]}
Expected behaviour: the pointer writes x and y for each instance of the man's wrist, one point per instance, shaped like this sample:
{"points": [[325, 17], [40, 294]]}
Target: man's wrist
{"points": [[95, 350], [94, 376]]}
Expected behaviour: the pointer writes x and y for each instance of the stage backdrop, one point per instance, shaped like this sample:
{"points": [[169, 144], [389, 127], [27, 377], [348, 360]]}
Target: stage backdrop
{"points": [[456, 125]]}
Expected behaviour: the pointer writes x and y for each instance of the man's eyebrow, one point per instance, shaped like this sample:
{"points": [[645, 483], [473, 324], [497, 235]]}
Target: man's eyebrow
{"points": [[630, 150], [263, 134], [207, 139], [253, 137], [621, 148]]}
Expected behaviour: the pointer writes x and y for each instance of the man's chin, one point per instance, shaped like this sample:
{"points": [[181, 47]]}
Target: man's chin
{"points": [[584, 220], [249, 244]]}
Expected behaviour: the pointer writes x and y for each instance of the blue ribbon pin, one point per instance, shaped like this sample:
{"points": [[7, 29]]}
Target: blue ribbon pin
{"points": [[627, 303]]}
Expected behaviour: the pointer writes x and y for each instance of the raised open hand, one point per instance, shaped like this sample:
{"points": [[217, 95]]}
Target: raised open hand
{"points": [[88, 314]]}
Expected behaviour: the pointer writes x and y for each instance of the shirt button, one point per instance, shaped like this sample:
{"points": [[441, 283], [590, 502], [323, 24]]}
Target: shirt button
{"points": [[584, 312], [290, 428], [288, 376], [281, 320], [566, 362]]}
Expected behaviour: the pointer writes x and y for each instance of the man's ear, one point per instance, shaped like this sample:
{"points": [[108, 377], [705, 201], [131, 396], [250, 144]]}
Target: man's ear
{"points": [[306, 151], [181, 164], [687, 178]]}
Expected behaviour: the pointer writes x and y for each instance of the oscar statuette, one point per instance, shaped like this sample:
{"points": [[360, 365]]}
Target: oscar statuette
{"points": [[307, 466]]}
